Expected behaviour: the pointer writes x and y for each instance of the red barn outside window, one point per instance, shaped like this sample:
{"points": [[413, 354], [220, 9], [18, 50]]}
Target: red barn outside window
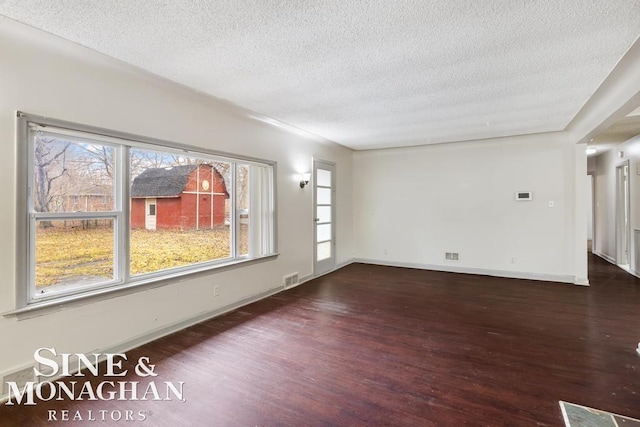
{"points": [[179, 197]]}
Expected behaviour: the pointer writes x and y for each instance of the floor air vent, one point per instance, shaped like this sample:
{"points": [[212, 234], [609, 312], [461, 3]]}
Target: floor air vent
{"points": [[290, 280], [451, 256]]}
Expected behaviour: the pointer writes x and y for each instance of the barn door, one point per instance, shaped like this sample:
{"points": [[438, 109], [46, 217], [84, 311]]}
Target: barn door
{"points": [[150, 214], [324, 196]]}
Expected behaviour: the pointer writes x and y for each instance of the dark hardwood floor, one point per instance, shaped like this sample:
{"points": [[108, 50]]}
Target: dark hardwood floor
{"points": [[372, 345]]}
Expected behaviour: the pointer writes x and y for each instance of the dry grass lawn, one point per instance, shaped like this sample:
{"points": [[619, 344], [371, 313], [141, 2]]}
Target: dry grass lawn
{"points": [[65, 255]]}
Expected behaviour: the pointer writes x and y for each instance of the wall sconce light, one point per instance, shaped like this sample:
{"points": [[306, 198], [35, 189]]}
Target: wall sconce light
{"points": [[304, 179]]}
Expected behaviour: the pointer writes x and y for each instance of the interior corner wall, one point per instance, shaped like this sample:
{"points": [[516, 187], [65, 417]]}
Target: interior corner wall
{"points": [[605, 204], [412, 205], [580, 235], [41, 74], [605, 200], [591, 164]]}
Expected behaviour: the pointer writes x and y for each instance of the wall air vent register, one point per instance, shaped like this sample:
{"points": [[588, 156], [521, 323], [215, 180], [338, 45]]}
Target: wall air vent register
{"points": [[522, 196]]}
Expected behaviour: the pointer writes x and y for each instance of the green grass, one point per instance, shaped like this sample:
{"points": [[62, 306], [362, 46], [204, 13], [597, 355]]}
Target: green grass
{"points": [[67, 255]]}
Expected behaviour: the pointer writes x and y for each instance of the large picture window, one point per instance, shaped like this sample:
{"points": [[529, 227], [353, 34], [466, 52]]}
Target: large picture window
{"points": [[106, 210]]}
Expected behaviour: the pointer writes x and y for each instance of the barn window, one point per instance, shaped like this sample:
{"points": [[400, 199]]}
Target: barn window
{"points": [[165, 210]]}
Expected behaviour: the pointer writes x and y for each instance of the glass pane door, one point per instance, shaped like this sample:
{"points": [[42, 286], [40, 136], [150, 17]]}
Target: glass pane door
{"points": [[324, 216]]}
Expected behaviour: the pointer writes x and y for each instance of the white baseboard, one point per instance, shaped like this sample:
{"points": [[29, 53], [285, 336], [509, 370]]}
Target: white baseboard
{"points": [[315, 276], [301, 280], [605, 257], [183, 324], [345, 263], [581, 282], [478, 271], [612, 260]]}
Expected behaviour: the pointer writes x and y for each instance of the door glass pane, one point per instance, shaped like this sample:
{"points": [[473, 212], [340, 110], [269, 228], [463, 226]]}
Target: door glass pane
{"points": [[323, 177], [323, 251], [323, 196], [324, 214], [73, 253], [323, 232]]}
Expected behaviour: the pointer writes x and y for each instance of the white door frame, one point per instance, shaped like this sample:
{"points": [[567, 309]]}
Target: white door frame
{"points": [[593, 210], [622, 212], [326, 264]]}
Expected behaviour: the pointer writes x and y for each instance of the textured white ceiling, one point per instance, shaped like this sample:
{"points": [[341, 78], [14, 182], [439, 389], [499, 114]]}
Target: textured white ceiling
{"points": [[367, 73]]}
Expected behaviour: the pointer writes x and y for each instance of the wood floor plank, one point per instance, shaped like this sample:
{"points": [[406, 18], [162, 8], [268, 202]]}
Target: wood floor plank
{"points": [[374, 345]]}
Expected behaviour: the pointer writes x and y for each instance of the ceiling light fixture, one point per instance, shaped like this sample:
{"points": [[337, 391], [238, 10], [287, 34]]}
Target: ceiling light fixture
{"points": [[591, 150]]}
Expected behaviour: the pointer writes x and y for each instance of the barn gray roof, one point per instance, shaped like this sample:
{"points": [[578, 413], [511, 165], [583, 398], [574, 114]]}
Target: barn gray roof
{"points": [[161, 182]]}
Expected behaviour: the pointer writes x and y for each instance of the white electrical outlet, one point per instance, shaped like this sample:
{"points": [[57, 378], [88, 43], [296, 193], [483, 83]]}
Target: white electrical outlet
{"points": [[216, 290]]}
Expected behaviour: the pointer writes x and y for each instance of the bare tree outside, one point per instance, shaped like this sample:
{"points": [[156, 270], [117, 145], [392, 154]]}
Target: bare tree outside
{"points": [[101, 156], [50, 166], [71, 176]]}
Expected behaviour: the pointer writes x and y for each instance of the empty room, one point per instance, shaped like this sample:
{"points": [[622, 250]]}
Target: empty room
{"points": [[320, 213]]}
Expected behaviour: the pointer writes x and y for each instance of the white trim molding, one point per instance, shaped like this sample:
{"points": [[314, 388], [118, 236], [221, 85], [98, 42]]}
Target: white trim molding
{"points": [[605, 257], [479, 271], [612, 260]]}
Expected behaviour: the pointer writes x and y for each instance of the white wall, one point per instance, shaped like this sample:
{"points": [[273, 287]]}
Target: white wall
{"points": [[412, 205], [42, 75], [605, 199], [605, 203], [591, 178], [589, 207]]}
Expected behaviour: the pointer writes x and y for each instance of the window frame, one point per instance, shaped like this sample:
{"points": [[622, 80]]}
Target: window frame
{"points": [[122, 143]]}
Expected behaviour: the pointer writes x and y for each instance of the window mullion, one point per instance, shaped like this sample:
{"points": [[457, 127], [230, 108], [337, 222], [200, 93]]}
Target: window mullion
{"points": [[268, 214], [123, 236], [31, 291], [31, 221], [255, 217], [234, 214]]}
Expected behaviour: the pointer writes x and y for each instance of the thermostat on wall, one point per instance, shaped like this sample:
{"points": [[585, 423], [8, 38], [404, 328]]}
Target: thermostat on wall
{"points": [[522, 196]]}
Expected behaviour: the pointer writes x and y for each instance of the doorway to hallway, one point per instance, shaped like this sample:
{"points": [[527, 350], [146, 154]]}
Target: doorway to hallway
{"points": [[622, 215]]}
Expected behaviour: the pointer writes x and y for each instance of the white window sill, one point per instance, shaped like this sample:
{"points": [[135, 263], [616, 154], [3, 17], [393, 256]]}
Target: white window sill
{"points": [[64, 301]]}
